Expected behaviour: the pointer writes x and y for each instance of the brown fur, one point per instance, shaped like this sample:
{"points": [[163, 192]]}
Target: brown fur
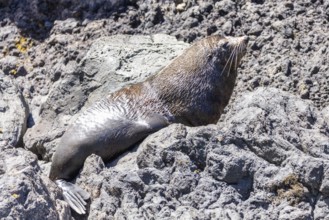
{"points": [[194, 86]]}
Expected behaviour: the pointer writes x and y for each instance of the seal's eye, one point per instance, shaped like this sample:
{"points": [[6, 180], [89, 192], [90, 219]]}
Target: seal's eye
{"points": [[225, 45]]}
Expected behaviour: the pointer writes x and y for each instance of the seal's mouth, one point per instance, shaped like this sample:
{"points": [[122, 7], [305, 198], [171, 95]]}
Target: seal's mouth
{"points": [[243, 42]]}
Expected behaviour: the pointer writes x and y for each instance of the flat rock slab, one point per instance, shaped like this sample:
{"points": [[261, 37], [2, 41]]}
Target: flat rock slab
{"points": [[13, 113], [117, 61], [110, 64]]}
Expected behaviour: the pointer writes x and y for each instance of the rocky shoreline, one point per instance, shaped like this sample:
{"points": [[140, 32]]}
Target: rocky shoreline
{"points": [[266, 158]]}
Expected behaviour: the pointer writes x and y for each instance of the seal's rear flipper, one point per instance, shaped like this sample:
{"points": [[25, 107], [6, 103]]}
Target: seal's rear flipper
{"points": [[74, 196]]}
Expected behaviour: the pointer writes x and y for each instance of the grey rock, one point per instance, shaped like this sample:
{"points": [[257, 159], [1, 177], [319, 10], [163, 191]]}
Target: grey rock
{"points": [[321, 210], [25, 192], [325, 112], [255, 30], [227, 27], [8, 64], [191, 22], [225, 7], [13, 113]]}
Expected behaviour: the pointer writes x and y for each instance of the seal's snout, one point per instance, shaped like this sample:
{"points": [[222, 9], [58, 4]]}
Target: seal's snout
{"points": [[245, 39], [239, 41]]}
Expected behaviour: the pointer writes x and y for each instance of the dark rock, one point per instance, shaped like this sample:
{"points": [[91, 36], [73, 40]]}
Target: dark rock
{"points": [[260, 2], [211, 29], [315, 70], [21, 71]]}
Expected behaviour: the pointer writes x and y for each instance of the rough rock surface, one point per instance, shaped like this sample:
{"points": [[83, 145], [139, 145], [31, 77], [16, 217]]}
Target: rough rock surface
{"points": [[27, 193], [288, 48], [266, 158]]}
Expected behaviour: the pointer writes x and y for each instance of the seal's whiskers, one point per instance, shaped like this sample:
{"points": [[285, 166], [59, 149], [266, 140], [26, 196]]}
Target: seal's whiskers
{"points": [[228, 60]]}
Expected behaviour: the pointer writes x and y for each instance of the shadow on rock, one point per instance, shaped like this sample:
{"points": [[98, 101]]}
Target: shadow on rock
{"points": [[36, 18]]}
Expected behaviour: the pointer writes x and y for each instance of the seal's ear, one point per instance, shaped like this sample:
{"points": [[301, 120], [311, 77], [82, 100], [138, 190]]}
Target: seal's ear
{"points": [[225, 45]]}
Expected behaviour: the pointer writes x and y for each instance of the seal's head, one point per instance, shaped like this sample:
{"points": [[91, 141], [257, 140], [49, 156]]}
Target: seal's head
{"points": [[198, 84], [214, 55], [225, 52]]}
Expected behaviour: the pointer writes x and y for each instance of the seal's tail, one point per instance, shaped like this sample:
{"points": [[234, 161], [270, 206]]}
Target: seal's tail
{"points": [[74, 196]]}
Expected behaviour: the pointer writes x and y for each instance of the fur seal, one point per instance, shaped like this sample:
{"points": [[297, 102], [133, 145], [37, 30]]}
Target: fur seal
{"points": [[193, 90]]}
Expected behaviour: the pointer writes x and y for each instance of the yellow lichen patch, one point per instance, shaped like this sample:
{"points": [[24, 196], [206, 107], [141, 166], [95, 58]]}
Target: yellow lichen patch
{"points": [[290, 190], [302, 86], [197, 171], [23, 44], [15, 195], [13, 72]]}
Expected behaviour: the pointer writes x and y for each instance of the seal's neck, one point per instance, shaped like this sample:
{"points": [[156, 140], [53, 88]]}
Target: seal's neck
{"points": [[192, 91]]}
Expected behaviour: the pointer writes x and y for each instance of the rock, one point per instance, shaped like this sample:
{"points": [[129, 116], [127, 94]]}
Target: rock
{"points": [[325, 112], [191, 22], [181, 7], [286, 67], [255, 30], [9, 64], [4, 3], [13, 113], [224, 7], [25, 192], [227, 27]]}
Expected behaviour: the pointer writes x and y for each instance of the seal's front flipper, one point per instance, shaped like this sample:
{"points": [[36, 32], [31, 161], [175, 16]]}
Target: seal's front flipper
{"points": [[157, 121], [74, 196]]}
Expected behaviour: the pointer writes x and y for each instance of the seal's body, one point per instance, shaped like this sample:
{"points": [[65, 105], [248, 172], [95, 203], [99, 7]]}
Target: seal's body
{"points": [[193, 90]]}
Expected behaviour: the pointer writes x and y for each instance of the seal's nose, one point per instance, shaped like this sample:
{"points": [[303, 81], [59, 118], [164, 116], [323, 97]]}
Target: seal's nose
{"points": [[245, 39]]}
